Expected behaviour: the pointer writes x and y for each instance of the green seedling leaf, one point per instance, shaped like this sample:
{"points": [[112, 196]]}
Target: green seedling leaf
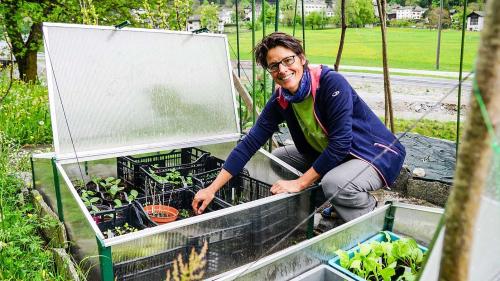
{"points": [[356, 264], [343, 258], [364, 249], [118, 203], [94, 199], [387, 273]]}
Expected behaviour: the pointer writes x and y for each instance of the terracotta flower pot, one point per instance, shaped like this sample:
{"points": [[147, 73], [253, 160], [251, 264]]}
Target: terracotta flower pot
{"points": [[161, 214]]}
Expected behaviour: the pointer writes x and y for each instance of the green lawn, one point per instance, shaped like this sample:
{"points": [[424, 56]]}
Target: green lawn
{"points": [[408, 48]]}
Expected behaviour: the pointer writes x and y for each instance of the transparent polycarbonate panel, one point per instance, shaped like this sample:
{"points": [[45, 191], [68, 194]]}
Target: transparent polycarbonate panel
{"points": [[235, 239], [431, 268], [417, 222], [321, 273], [113, 89], [44, 179], [81, 234], [260, 166], [298, 259], [485, 251]]}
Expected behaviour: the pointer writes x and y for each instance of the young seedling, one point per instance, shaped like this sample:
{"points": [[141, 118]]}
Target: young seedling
{"points": [[380, 260], [89, 201]]}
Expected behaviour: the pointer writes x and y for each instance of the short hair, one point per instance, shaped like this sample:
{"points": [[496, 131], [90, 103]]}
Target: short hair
{"points": [[273, 40]]}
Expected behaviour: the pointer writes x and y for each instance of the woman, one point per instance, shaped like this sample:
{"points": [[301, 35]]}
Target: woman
{"points": [[337, 138]]}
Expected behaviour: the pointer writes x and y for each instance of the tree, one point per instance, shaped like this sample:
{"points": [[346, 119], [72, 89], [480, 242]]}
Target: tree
{"points": [[317, 19], [22, 22], [209, 16], [287, 10], [433, 17], [358, 13], [162, 14], [270, 13], [474, 157]]}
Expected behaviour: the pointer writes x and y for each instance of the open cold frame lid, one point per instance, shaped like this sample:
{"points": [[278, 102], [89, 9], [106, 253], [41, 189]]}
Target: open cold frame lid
{"points": [[124, 91]]}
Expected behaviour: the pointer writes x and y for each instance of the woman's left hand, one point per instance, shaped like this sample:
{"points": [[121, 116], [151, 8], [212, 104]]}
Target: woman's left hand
{"points": [[283, 186]]}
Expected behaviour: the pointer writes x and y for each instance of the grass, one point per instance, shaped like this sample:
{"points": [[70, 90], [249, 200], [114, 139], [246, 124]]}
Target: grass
{"points": [[408, 48], [429, 128], [23, 253], [24, 113], [24, 120]]}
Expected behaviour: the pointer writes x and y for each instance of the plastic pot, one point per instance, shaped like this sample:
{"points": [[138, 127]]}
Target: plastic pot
{"points": [[161, 214]]}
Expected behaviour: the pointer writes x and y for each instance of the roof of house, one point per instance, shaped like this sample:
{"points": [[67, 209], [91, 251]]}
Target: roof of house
{"points": [[479, 13]]}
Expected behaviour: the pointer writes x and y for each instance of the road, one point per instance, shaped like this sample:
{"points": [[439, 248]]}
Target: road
{"points": [[413, 96]]}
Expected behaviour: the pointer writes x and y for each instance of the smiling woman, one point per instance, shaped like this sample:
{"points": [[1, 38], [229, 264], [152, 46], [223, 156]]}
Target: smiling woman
{"points": [[337, 138]]}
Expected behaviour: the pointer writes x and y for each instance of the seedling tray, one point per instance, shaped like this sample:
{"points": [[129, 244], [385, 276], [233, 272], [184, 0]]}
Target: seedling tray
{"points": [[129, 214], [128, 167], [380, 237], [159, 179]]}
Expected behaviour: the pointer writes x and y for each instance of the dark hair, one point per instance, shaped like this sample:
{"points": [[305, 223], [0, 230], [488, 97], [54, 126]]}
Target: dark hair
{"points": [[277, 39]]}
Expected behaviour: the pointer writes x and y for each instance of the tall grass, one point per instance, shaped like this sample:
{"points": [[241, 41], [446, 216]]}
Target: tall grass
{"points": [[24, 113], [23, 254]]}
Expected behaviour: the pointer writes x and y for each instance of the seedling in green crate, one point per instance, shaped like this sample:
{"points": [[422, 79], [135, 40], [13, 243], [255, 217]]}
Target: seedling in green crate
{"points": [[376, 260]]}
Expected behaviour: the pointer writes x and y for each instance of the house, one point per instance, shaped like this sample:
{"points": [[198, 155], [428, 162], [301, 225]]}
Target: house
{"points": [[313, 6], [226, 16], [194, 23], [409, 12], [475, 21]]}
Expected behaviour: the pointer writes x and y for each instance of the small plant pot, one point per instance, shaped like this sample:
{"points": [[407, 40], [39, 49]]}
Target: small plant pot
{"points": [[92, 186], [161, 214]]}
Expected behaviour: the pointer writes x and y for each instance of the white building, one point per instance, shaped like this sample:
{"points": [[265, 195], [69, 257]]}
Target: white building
{"points": [[475, 21], [409, 13], [226, 16], [314, 6]]}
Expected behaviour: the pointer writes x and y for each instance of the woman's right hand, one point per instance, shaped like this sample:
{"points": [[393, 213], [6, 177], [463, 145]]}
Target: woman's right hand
{"points": [[203, 197]]}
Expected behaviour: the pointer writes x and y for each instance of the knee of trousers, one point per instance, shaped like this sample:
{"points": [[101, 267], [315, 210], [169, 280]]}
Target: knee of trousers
{"points": [[335, 186]]}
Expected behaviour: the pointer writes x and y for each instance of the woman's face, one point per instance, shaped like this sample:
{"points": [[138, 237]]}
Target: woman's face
{"points": [[285, 74]]}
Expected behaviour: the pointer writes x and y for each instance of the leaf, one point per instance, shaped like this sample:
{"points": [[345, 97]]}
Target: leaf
{"points": [[387, 273], [387, 236], [118, 203], [356, 264], [364, 249], [343, 258]]}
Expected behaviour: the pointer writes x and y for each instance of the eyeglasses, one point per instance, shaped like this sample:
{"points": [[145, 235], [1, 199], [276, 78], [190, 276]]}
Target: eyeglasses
{"points": [[275, 67]]}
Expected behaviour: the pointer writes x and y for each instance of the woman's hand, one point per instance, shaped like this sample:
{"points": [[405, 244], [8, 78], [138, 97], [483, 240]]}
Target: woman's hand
{"points": [[283, 186], [203, 197]]}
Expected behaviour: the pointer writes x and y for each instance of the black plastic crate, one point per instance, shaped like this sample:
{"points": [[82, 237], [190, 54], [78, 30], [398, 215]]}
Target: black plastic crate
{"points": [[161, 179], [118, 217], [128, 167], [238, 190], [151, 267], [179, 199], [224, 246]]}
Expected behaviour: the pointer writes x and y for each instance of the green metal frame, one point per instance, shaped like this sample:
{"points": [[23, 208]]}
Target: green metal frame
{"points": [[389, 217], [57, 187], [105, 261]]}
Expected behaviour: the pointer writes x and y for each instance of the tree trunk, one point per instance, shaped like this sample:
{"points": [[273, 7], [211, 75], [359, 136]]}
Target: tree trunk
{"points": [[474, 157], [389, 118], [24, 52], [342, 35]]}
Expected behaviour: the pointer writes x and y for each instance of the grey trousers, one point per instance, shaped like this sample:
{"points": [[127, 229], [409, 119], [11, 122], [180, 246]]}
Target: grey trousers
{"points": [[347, 185]]}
